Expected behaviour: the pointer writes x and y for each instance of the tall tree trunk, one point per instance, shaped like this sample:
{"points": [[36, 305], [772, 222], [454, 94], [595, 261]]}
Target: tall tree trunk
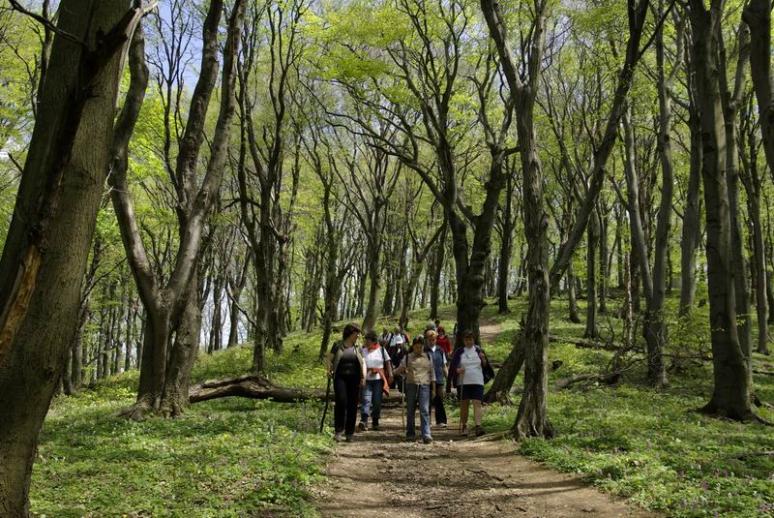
{"points": [[183, 354], [592, 331], [56, 209], [572, 302], [236, 292], [692, 216], [506, 250], [604, 272], [731, 391], [439, 260]]}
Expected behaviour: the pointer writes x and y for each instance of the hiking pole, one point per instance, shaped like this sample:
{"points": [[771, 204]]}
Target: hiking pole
{"points": [[403, 404], [327, 400]]}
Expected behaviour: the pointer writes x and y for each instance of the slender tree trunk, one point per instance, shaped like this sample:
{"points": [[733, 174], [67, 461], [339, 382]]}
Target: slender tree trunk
{"points": [[506, 250], [438, 262], [691, 218], [592, 331], [604, 272], [236, 292], [571, 299]]}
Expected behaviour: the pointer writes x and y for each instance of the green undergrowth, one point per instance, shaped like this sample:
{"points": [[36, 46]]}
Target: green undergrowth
{"points": [[653, 446], [228, 457], [239, 457]]}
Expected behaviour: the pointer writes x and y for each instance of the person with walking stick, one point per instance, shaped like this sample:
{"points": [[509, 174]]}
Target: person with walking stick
{"points": [[347, 368]]}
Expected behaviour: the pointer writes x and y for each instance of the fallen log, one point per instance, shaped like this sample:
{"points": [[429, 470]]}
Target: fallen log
{"points": [[584, 343], [610, 378], [258, 387], [251, 386]]}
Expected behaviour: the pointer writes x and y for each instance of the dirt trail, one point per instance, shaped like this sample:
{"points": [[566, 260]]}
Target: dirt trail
{"points": [[380, 475], [488, 333]]}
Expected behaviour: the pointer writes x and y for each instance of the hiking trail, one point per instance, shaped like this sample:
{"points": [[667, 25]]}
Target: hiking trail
{"points": [[379, 474]]}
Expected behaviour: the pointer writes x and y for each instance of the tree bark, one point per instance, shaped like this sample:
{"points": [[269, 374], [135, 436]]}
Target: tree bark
{"points": [[506, 249], [532, 416], [56, 208], [731, 391], [506, 374], [592, 330], [165, 304], [691, 216]]}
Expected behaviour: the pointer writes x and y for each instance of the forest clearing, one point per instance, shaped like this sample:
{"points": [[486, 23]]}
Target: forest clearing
{"points": [[367, 257]]}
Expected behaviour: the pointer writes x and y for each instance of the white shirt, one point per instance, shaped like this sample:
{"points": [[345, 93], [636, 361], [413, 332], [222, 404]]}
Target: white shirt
{"points": [[397, 339], [375, 360], [474, 374]]}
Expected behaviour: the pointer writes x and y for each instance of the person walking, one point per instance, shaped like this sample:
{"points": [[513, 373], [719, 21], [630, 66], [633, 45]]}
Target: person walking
{"points": [[378, 374], [420, 383], [396, 348], [471, 370], [443, 341], [346, 366], [440, 366]]}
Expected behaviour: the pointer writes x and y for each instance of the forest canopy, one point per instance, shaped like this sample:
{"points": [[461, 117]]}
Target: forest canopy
{"points": [[179, 178]]}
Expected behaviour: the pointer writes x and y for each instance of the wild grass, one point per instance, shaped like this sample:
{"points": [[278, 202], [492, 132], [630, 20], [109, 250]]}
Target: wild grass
{"points": [[238, 457]]}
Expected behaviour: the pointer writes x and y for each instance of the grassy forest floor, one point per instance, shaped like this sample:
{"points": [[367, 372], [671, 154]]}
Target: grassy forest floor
{"points": [[238, 457]]}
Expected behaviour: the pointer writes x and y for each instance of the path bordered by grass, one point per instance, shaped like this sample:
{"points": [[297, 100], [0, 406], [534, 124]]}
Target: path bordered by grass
{"points": [[237, 457]]}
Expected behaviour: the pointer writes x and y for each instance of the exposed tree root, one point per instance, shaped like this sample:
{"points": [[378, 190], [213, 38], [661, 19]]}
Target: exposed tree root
{"points": [[748, 416], [138, 411]]}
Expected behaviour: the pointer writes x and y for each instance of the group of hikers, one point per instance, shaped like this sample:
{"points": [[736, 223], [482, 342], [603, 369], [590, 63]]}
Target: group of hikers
{"points": [[424, 371]]}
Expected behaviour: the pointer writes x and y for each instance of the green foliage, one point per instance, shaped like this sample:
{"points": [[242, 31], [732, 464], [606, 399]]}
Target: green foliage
{"points": [[230, 457], [653, 447]]}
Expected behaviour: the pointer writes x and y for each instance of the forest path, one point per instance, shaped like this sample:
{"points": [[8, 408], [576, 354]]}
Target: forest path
{"points": [[379, 474], [489, 333]]}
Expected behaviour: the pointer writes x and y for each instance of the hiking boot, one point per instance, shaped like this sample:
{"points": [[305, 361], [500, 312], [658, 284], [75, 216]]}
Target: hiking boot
{"points": [[375, 427], [427, 440], [411, 438], [441, 425], [361, 427], [479, 431], [338, 437], [464, 429], [349, 438]]}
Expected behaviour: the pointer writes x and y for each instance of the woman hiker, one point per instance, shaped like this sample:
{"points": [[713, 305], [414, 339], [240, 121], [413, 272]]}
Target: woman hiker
{"points": [[420, 383], [471, 371], [440, 362], [443, 341], [347, 367], [378, 376]]}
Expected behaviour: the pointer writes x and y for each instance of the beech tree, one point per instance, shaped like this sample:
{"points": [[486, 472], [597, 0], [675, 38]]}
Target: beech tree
{"points": [[45, 253], [172, 308]]}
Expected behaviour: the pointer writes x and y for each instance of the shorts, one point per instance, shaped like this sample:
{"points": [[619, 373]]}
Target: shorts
{"points": [[475, 392]]}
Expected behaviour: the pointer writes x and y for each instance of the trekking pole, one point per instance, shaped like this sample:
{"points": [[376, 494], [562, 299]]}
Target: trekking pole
{"points": [[403, 403], [327, 400]]}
